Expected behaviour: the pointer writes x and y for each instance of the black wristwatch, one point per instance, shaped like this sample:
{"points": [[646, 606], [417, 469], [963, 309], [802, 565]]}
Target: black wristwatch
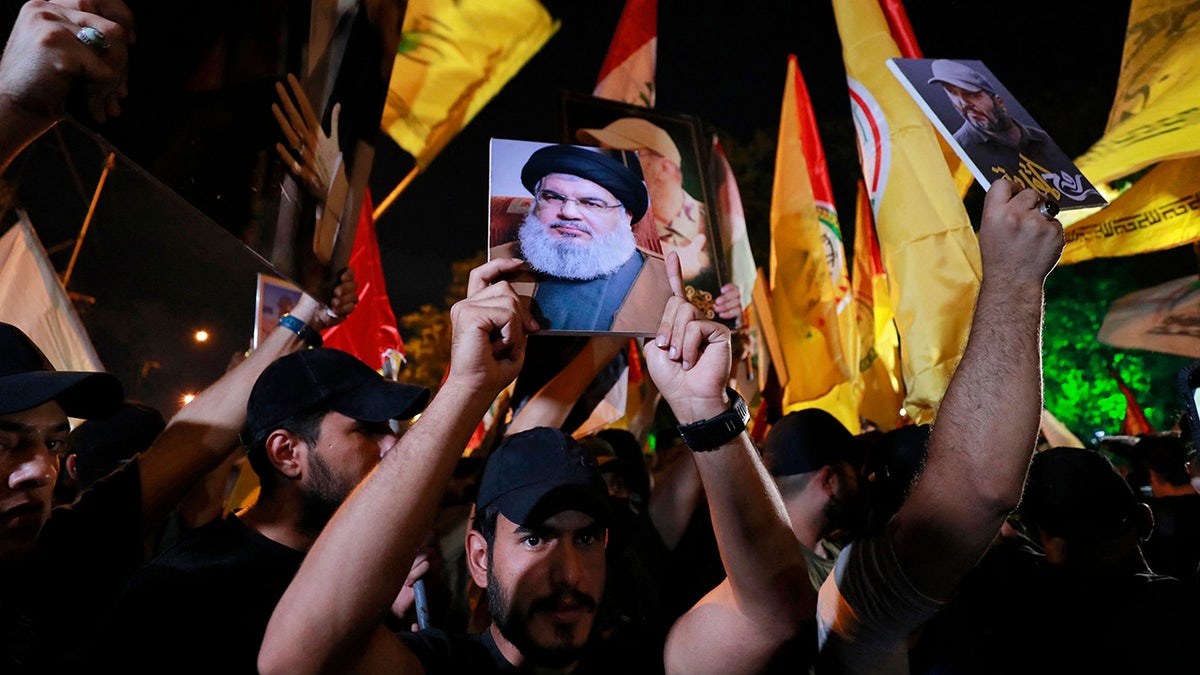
{"points": [[716, 431]]}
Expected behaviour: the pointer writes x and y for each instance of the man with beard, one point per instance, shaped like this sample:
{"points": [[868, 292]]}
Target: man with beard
{"points": [[317, 421], [679, 218], [814, 461], [989, 134], [542, 559], [578, 238]]}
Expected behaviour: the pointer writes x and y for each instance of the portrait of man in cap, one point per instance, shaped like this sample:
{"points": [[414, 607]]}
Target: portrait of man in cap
{"points": [[996, 134], [586, 269], [679, 218]]}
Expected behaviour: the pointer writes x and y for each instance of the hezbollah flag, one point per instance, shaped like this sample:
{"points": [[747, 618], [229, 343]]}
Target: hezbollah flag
{"points": [[1154, 121], [879, 381], [929, 248], [454, 55], [803, 298]]}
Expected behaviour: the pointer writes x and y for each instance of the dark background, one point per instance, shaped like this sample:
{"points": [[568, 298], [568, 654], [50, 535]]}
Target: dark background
{"points": [[198, 121]]}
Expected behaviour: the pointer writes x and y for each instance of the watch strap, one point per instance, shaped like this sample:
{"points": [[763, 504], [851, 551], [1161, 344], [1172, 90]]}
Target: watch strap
{"points": [[714, 432], [310, 337]]}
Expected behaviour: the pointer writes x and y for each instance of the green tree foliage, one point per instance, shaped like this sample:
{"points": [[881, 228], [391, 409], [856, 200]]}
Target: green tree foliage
{"points": [[426, 332], [1080, 392]]}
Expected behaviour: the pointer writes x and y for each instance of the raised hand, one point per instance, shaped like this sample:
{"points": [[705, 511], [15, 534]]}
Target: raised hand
{"points": [[320, 316], [1017, 242], [690, 358], [316, 153], [728, 304], [489, 328], [46, 57]]}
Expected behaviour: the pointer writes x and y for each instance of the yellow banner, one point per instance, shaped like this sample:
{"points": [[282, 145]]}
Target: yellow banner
{"points": [[879, 381], [1160, 211], [454, 56], [929, 247], [802, 294], [1156, 112]]}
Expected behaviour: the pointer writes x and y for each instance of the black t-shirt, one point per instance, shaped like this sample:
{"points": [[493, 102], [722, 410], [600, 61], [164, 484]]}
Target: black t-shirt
{"points": [[458, 654], [55, 598], [1174, 546], [200, 607], [1017, 613]]}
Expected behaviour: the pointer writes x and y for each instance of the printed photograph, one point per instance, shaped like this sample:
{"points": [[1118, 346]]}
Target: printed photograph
{"points": [[573, 213], [991, 131]]}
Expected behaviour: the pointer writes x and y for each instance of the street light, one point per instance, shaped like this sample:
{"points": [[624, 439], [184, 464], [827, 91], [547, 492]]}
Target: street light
{"points": [[201, 335]]}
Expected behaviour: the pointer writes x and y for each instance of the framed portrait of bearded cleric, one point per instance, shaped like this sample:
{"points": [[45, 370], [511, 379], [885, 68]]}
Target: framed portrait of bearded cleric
{"points": [[991, 131], [574, 214], [675, 165]]}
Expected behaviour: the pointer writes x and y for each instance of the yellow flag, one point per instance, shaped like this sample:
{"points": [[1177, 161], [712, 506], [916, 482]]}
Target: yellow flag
{"points": [[880, 385], [1160, 211], [802, 294], [1156, 111], [1155, 119], [454, 56], [928, 246]]}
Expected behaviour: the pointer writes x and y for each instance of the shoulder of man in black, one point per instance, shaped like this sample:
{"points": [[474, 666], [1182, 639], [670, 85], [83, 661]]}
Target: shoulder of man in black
{"points": [[203, 603]]}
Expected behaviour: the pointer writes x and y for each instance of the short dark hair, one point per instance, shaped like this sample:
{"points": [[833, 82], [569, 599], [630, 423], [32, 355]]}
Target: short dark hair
{"points": [[305, 425], [485, 524]]}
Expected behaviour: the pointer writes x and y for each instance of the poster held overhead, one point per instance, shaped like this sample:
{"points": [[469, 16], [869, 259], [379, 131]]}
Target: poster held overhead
{"points": [[991, 131], [571, 212]]}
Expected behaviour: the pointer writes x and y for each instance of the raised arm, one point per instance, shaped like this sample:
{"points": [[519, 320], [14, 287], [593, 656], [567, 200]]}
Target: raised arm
{"points": [[767, 595], [329, 618], [45, 60], [203, 434], [987, 425]]}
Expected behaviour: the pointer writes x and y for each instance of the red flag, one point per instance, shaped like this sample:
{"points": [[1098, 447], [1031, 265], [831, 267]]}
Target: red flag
{"points": [[906, 41], [628, 71], [370, 331], [902, 33], [1135, 422]]}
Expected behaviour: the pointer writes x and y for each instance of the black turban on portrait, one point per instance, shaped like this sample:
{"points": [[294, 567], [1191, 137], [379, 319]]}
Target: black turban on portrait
{"points": [[623, 182]]}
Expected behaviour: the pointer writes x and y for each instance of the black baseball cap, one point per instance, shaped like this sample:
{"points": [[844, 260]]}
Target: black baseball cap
{"points": [[326, 378], [537, 473], [806, 440], [1076, 493], [27, 380], [623, 182]]}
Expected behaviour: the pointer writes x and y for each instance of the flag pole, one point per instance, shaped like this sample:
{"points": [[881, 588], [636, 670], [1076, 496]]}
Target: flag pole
{"points": [[383, 205], [87, 220]]}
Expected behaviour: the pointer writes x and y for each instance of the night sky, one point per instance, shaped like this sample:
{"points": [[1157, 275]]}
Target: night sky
{"points": [[725, 63], [721, 62]]}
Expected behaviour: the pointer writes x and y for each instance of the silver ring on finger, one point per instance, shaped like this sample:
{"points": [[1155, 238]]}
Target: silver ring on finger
{"points": [[93, 37], [1048, 208]]}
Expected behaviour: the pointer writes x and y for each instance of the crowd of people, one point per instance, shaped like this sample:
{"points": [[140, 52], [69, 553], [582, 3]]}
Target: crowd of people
{"points": [[373, 545]]}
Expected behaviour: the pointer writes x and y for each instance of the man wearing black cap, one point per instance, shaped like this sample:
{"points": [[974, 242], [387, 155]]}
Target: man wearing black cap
{"points": [[578, 238], [989, 134], [537, 543], [316, 423], [1082, 599], [40, 548], [812, 457]]}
